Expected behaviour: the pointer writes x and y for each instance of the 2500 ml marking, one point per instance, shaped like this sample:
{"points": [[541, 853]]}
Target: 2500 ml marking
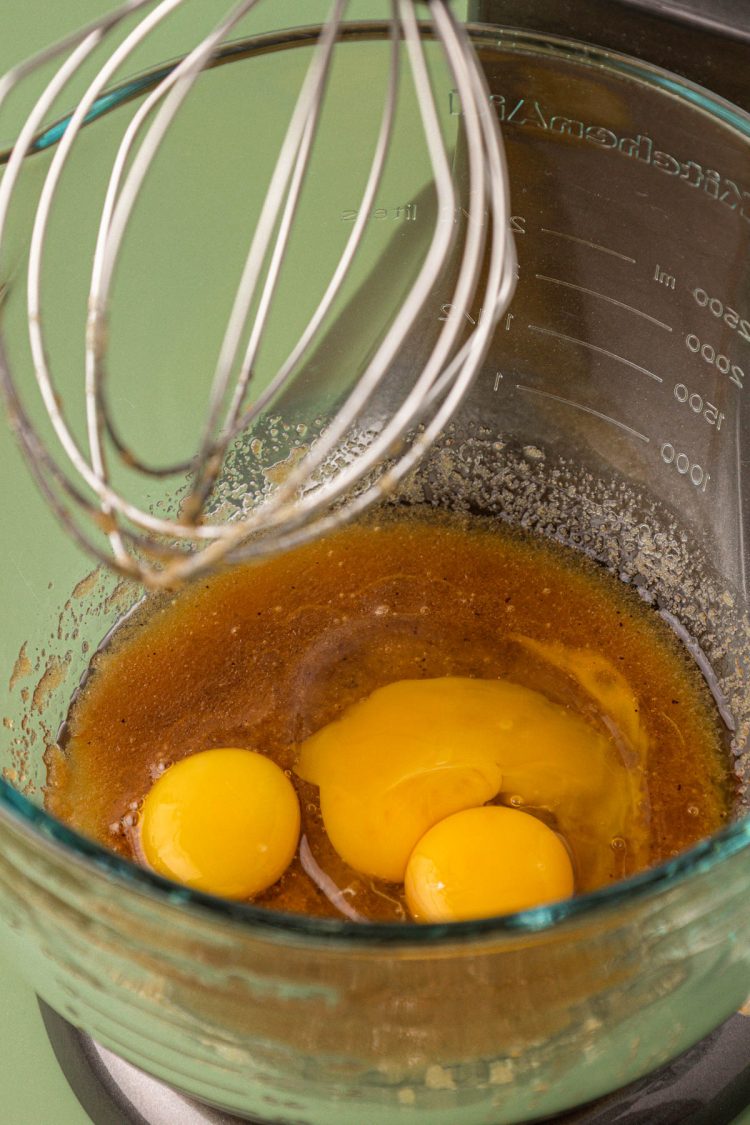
{"points": [[682, 463], [722, 363], [699, 405], [723, 312]]}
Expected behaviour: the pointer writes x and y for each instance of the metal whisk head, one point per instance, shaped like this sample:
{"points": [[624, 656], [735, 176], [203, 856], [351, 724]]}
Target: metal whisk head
{"points": [[403, 390]]}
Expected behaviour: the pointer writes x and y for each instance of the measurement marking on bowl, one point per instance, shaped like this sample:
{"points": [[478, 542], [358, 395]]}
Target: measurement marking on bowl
{"points": [[595, 348], [585, 242], [585, 409], [604, 297]]}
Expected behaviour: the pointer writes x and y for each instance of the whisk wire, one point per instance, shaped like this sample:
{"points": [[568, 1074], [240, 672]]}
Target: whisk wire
{"points": [[109, 240], [460, 373], [94, 473], [347, 257], [315, 496], [407, 412], [300, 138], [44, 467], [173, 90]]}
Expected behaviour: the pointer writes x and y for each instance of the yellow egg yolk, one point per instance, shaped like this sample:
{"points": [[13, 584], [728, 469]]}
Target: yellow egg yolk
{"points": [[396, 763], [224, 821], [486, 861], [417, 751]]}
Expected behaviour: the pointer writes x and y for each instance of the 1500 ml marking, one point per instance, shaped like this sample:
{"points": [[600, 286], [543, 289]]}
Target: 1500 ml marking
{"points": [[699, 405]]}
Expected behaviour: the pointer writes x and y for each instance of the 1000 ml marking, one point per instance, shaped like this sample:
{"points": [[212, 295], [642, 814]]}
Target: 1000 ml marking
{"points": [[723, 312], [699, 405], [682, 463], [722, 363]]}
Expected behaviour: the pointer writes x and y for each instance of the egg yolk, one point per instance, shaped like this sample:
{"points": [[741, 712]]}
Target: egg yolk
{"points": [[417, 751], [224, 821], [396, 763], [486, 861]]}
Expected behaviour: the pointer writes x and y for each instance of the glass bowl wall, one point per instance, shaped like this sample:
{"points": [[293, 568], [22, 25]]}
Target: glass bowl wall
{"points": [[288, 1019]]}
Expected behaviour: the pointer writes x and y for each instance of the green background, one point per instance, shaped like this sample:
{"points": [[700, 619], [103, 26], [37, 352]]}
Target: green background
{"points": [[32, 1089]]}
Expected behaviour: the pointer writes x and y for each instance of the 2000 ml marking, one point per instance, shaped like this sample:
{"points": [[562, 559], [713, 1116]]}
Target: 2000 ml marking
{"points": [[710, 355]]}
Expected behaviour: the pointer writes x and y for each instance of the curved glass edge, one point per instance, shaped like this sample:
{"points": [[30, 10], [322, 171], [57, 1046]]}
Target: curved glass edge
{"points": [[585, 54], [140, 84], [523, 41], [36, 823]]}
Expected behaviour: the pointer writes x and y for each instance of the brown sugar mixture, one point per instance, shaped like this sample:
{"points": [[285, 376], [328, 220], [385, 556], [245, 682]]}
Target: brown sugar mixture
{"points": [[263, 656]]}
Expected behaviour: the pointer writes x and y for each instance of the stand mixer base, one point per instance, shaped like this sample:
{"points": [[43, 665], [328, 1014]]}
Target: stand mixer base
{"points": [[707, 1085]]}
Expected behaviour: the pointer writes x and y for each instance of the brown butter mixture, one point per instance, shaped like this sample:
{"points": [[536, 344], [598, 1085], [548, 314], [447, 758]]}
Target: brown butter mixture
{"points": [[262, 656]]}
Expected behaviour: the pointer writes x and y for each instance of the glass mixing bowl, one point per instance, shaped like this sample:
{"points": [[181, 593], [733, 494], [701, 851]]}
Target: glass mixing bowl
{"points": [[608, 415]]}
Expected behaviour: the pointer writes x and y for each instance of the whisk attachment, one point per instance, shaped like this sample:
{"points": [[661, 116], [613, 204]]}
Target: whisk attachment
{"points": [[469, 249]]}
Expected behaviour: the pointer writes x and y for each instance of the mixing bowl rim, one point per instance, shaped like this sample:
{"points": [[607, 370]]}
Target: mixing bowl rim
{"points": [[64, 842], [520, 40], [35, 823]]}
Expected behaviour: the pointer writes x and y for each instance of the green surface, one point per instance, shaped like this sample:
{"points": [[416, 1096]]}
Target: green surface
{"points": [[32, 1088]]}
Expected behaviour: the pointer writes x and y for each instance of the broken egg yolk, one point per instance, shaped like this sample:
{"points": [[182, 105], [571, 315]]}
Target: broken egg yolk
{"points": [[417, 751], [396, 763], [223, 821], [486, 861]]}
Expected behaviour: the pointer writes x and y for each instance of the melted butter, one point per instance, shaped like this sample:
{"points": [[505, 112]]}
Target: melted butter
{"points": [[265, 656]]}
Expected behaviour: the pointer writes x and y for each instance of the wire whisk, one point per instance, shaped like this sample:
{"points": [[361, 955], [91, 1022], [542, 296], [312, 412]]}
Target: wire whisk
{"points": [[320, 490]]}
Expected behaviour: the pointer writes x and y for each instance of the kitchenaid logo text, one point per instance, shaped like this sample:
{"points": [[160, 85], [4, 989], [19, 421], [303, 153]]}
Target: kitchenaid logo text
{"points": [[531, 114]]}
